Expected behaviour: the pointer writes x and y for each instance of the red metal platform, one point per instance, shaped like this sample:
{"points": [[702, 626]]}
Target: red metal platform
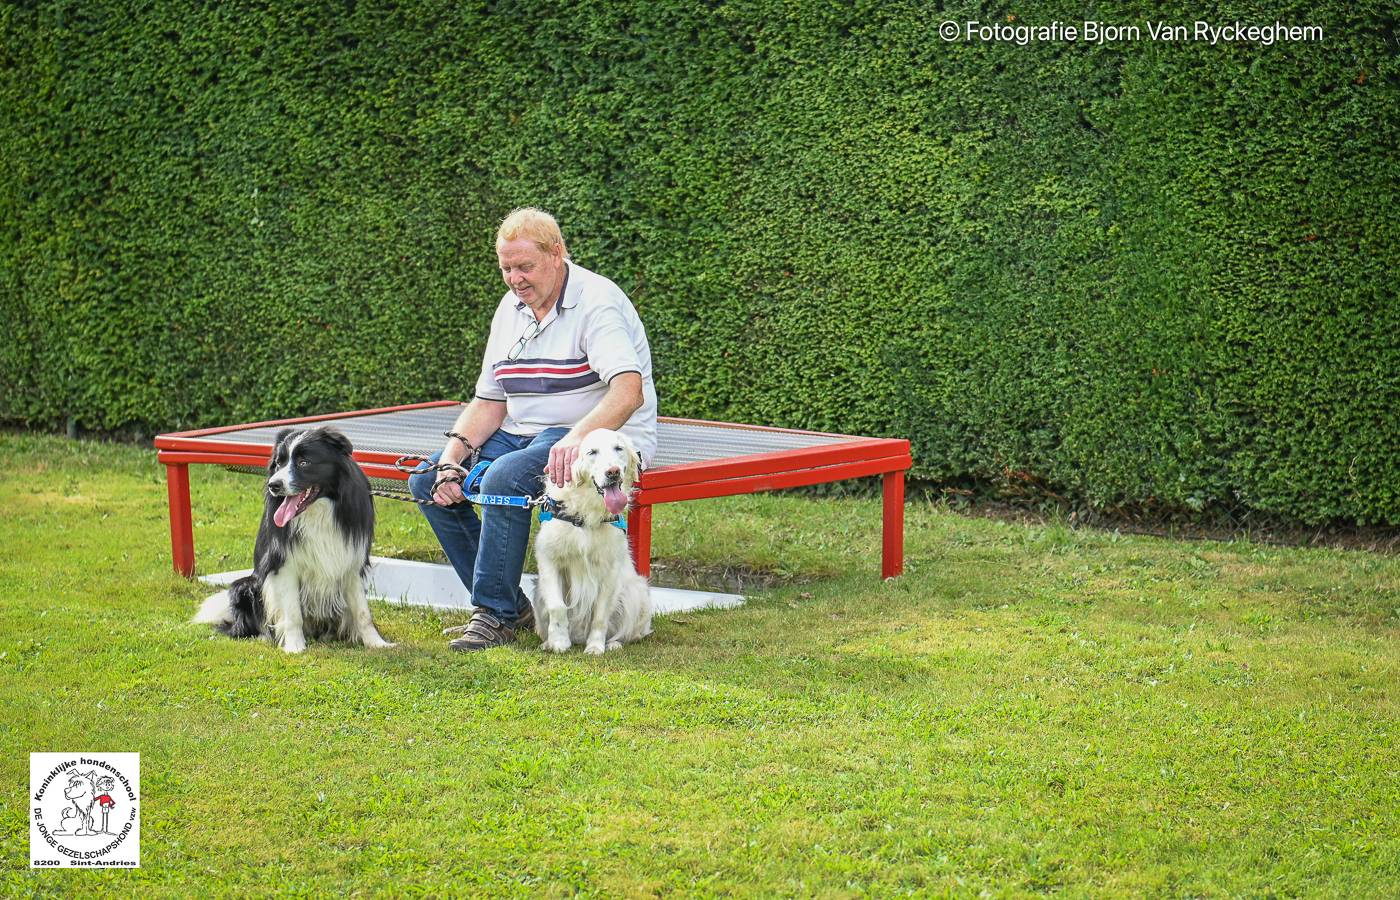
{"points": [[694, 460]]}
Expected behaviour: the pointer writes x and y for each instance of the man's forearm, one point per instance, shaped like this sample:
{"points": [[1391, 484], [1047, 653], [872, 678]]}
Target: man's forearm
{"points": [[476, 423], [623, 398]]}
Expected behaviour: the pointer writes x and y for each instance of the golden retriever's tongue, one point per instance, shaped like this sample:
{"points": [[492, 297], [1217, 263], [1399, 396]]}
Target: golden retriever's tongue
{"points": [[288, 510], [614, 499]]}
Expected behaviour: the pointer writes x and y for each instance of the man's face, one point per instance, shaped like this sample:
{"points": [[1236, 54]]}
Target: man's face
{"points": [[532, 274]]}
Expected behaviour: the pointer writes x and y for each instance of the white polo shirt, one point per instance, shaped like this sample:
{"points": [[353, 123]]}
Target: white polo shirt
{"points": [[590, 335]]}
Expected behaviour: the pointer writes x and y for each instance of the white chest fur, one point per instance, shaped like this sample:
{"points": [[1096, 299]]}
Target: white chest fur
{"points": [[322, 558], [595, 548]]}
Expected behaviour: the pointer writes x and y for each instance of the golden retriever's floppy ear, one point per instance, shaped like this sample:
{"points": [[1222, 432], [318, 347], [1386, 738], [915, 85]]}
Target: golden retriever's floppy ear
{"points": [[582, 474]]}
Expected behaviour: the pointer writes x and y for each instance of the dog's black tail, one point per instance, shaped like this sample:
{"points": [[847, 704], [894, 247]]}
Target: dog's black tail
{"points": [[237, 611], [245, 606]]}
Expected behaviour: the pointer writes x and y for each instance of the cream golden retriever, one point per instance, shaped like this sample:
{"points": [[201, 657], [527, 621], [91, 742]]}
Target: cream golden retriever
{"points": [[588, 592]]}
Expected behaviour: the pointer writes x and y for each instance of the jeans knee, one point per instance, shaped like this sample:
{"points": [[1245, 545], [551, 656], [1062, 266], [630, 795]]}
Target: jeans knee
{"points": [[512, 480]]}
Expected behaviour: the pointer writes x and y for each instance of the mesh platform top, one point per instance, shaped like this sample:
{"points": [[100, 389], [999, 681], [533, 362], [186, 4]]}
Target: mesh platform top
{"points": [[419, 431]]}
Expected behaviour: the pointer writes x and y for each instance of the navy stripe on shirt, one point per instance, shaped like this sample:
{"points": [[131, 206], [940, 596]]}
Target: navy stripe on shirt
{"points": [[528, 384]]}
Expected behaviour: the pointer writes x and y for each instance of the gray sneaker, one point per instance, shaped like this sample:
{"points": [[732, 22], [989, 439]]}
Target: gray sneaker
{"points": [[483, 632]]}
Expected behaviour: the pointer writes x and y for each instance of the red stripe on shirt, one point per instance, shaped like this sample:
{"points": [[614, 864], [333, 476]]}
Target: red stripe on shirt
{"points": [[509, 371]]}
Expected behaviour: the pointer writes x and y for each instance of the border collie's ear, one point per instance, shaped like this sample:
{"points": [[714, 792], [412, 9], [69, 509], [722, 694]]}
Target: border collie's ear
{"points": [[337, 440], [635, 468], [282, 437]]}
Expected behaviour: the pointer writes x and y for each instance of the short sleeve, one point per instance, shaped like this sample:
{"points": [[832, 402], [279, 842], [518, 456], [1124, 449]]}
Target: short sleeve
{"points": [[608, 343], [487, 388]]}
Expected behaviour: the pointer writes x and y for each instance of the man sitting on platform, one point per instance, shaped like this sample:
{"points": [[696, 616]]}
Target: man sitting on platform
{"points": [[567, 354]]}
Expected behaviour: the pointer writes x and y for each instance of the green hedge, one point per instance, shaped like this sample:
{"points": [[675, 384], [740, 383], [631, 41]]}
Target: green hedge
{"points": [[1139, 273]]}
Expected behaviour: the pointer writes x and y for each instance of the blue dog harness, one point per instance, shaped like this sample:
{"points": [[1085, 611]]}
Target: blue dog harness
{"points": [[553, 509]]}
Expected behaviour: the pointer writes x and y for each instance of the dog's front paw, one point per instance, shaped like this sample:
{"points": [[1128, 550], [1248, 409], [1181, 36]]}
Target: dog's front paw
{"points": [[294, 643], [595, 648], [556, 645], [376, 642]]}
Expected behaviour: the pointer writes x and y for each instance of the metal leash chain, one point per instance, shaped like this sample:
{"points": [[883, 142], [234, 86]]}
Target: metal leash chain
{"points": [[413, 464], [418, 465], [388, 495], [530, 503]]}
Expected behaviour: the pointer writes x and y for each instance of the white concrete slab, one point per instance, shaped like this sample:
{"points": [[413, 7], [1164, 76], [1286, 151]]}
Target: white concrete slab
{"points": [[416, 583]]}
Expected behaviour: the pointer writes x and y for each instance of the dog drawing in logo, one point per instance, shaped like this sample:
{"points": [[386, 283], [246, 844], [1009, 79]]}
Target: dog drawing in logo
{"points": [[65, 828], [82, 793]]}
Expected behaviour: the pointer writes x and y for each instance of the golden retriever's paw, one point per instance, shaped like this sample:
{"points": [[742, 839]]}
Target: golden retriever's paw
{"points": [[554, 645], [594, 648]]}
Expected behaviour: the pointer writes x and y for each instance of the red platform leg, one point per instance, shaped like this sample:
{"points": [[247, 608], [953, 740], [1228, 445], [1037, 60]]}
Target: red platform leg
{"points": [[177, 484], [892, 557], [639, 538]]}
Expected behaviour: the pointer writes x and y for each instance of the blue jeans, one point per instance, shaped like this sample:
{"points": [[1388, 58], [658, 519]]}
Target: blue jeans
{"points": [[489, 552]]}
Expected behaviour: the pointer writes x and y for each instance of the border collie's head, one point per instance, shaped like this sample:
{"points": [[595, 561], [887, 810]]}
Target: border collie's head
{"points": [[306, 465]]}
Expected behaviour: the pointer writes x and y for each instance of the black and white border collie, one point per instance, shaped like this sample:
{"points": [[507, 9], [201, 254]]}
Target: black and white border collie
{"points": [[311, 553]]}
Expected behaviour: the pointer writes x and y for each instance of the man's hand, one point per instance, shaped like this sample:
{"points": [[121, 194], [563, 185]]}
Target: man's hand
{"points": [[562, 455], [476, 424], [448, 490]]}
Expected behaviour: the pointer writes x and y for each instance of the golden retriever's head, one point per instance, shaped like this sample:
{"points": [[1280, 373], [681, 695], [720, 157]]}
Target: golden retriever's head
{"points": [[609, 463]]}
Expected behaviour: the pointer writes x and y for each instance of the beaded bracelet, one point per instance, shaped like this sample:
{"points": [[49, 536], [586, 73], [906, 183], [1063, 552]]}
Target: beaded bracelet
{"points": [[466, 443]]}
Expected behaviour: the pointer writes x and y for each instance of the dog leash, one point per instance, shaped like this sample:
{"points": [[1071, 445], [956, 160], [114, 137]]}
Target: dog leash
{"points": [[419, 465], [413, 464], [549, 507]]}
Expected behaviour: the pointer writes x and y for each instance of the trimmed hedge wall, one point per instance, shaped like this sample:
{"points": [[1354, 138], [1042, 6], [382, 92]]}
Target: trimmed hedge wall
{"points": [[1140, 273]]}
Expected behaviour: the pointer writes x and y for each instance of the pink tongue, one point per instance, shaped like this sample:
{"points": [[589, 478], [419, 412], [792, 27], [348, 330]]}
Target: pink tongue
{"points": [[287, 510], [614, 499]]}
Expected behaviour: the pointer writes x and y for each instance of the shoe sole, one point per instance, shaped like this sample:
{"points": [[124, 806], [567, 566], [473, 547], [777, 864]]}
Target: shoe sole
{"points": [[461, 647]]}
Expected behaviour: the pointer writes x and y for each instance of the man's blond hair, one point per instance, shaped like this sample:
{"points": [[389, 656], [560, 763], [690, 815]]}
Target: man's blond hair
{"points": [[534, 225]]}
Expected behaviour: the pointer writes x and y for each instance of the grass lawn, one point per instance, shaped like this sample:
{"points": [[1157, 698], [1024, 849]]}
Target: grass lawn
{"points": [[1027, 710]]}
